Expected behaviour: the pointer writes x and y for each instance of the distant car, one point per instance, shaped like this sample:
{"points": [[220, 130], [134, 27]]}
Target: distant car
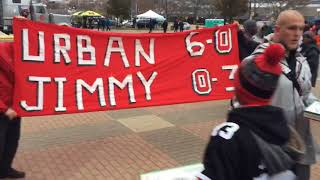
{"points": [[186, 26], [127, 23], [60, 19], [143, 23]]}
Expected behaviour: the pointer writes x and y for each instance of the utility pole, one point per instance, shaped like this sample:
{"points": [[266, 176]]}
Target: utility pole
{"points": [[254, 8], [196, 8], [31, 10], [166, 8], [249, 5]]}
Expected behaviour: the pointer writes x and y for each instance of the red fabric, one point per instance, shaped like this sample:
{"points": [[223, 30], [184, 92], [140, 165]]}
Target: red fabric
{"points": [[269, 61], [174, 64], [6, 75], [267, 67]]}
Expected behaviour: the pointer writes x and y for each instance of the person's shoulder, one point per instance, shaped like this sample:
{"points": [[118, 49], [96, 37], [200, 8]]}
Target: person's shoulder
{"points": [[263, 45], [313, 49]]}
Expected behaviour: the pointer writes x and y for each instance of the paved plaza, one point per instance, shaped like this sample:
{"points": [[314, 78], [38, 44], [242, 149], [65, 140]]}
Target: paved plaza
{"points": [[121, 144]]}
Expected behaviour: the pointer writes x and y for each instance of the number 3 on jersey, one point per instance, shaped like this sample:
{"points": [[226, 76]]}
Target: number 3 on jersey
{"points": [[225, 130]]}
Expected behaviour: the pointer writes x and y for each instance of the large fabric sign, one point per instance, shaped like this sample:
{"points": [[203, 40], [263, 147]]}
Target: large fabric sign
{"points": [[68, 70]]}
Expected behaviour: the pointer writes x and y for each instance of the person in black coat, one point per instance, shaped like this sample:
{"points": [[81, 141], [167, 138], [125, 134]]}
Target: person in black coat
{"points": [[245, 39], [250, 144], [181, 26], [165, 26], [311, 51], [176, 25]]}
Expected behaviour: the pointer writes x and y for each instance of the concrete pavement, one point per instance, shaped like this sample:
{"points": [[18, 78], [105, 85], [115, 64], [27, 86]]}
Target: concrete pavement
{"points": [[121, 144]]}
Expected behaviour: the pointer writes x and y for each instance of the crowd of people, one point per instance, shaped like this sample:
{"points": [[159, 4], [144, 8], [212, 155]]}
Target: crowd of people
{"points": [[99, 23], [104, 24]]}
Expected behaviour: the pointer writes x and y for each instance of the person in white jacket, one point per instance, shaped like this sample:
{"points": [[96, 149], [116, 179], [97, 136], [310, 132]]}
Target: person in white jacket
{"points": [[293, 93]]}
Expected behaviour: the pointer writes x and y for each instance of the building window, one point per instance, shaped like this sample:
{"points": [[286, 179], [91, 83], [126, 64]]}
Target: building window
{"points": [[16, 1]]}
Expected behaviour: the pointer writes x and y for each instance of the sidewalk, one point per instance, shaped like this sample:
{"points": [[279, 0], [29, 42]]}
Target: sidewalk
{"points": [[121, 144]]}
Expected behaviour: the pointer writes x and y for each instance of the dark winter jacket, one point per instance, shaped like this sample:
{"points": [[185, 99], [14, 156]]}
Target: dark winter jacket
{"points": [[248, 146], [311, 52], [6, 75], [246, 45]]}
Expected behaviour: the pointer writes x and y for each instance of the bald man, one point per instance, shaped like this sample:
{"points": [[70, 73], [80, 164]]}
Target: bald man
{"points": [[293, 93]]}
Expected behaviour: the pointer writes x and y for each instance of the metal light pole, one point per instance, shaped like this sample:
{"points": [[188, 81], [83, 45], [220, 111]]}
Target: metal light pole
{"points": [[31, 9], [166, 8]]}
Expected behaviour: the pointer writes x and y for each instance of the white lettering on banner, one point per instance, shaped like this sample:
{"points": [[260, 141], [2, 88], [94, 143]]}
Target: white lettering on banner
{"points": [[233, 69], [40, 93], [26, 48], [190, 45], [80, 84], [119, 49], [84, 46], [147, 84], [97, 84], [59, 49], [139, 50], [60, 107], [85, 49], [201, 79], [201, 82], [223, 43], [126, 82]]}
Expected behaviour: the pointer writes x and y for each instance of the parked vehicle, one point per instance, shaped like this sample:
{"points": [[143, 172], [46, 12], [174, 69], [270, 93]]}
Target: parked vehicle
{"points": [[127, 23], [60, 19], [143, 23], [186, 26], [10, 8]]}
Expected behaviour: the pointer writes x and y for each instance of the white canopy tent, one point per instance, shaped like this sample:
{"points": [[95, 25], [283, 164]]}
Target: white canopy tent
{"points": [[151, 14]]}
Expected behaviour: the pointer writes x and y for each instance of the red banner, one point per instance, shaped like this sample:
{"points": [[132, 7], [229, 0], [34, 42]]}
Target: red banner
{"points": [[68, 70]]}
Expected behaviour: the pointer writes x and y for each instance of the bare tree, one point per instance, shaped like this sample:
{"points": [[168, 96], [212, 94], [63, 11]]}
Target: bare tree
{"points": [[119, 8], [231, 8], [79, 5], [175, 8], [196, 8], [145, 5]]}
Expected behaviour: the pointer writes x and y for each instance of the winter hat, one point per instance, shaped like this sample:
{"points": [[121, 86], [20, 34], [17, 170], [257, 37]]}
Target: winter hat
{"points": [[250, 26], [257, 79]]}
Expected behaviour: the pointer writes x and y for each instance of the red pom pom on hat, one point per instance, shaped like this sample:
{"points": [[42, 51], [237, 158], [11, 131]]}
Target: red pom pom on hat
{"points": [[274, 53], [269, 61]]}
